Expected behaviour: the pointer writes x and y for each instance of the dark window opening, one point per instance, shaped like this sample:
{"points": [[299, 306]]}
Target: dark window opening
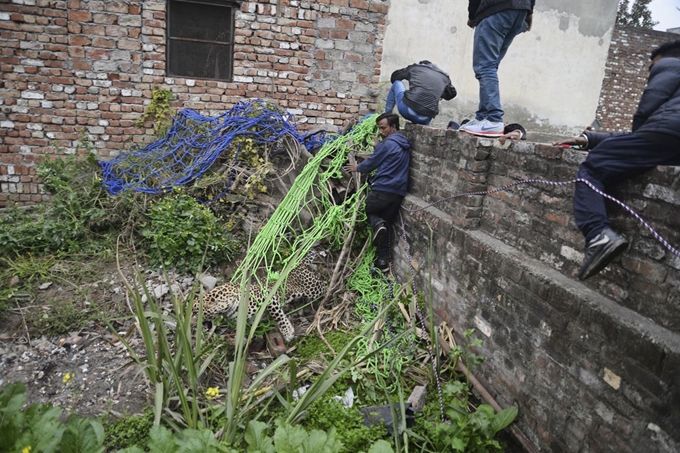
{"points": [[201, 38]]}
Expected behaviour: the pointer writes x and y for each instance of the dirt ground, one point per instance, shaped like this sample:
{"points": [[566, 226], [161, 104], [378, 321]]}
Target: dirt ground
{"points": [[87, 370]]}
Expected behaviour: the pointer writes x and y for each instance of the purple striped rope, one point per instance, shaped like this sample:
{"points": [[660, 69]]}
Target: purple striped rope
{"points": [[630, 210]]}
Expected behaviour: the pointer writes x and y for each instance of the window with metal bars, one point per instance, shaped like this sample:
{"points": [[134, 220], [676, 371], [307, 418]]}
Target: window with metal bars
{"points": [[201, 38]]}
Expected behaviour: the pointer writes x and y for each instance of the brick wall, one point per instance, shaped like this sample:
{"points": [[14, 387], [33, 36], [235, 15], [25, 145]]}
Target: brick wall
{"points": [[626, 73], [87, 67], [592, 366]]}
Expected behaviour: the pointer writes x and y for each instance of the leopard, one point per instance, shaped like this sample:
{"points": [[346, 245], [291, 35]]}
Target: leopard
{"points": [[303, 283]]}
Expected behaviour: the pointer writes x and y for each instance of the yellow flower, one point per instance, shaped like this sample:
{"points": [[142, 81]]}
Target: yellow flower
{"points": [[67, 378], [212, 392], [26, 449]]}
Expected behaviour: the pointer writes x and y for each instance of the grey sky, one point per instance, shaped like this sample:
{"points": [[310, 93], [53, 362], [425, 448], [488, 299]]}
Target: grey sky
{"points": [[665, 12]]}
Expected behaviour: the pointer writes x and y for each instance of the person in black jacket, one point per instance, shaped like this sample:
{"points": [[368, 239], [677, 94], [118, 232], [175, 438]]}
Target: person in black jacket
{"points": [[496, 23], [390, 160], [427, 84], [615, 157]]}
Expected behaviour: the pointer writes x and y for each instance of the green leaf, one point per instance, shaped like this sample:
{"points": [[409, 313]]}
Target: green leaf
{"points": [[486, 409], [381, 446], [458, 444], [161, 440], [134, 449], [43, 430], [12, 399], [322, 442], [289, 439], [503, 419], [257, 439], [82, 436], [195, 441]]}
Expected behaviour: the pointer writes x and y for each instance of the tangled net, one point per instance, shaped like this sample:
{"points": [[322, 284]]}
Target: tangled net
{"points": [[193, 145]]}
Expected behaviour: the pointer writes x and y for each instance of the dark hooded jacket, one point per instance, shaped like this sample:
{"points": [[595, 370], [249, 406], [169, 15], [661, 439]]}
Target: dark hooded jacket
{"points": [[427, 84], [658, 115], [391, 158], [479, 9]]}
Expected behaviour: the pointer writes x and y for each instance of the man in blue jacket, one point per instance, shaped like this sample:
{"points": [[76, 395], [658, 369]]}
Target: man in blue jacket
{"points": [[390, 160], [427, 84], [496, 23], [615, 157]]}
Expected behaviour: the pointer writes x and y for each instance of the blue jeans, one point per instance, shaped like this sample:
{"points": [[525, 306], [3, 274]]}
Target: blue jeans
{"points": [[493, 36], [396, 96]]}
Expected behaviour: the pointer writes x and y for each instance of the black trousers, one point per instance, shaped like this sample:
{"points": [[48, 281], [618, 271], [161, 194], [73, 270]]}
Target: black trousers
{"points": [[612, 161], [383, 207]]}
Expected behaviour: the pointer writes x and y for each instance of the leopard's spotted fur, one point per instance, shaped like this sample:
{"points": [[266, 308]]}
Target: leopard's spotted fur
{"points": [[303, 282]]}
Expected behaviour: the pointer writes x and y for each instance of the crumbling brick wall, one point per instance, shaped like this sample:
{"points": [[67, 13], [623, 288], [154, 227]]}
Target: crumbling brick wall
{"points": [[626, 73], [593, 366], [86, 68]]}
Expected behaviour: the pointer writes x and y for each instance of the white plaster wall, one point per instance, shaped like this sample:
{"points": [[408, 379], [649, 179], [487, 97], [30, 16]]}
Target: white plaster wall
{"points": [[550, 79]]}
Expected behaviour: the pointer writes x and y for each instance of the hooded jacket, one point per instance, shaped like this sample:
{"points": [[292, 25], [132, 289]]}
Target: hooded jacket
{"points": [[427, 84], [479, 9], [391, 157], [657, 118]]}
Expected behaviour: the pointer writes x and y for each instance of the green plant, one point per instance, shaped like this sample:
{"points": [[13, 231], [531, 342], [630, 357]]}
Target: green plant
{"points": [[290, 439], [185, 234], [347, 422], [467, 355], [39, 428], [28, 268], [472, 432], [311, 347], [160, 110], [76, 217], [296, 439], [128, 431], [176, 365], [464, 430], [60, 318], [162, 440]]}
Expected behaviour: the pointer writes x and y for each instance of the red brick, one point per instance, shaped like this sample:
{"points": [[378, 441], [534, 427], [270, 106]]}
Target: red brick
{"points": [[80, 16]]}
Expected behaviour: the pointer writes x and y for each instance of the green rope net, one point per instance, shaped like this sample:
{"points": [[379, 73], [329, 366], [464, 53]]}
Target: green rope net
{"points": [[310, 213]]}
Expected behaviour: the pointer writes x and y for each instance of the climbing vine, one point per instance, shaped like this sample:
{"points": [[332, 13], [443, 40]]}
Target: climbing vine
{"points": [[160, 110]]}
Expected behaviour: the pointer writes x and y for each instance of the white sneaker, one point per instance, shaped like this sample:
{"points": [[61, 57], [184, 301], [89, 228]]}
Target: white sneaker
{"points": [[484, 128], [472, 122]]}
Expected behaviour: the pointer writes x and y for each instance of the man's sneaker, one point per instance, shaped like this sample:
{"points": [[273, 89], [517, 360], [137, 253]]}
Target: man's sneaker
{"points": [[472, 122], [382, 265], [601, 251], [484, 128], [380, 234]]}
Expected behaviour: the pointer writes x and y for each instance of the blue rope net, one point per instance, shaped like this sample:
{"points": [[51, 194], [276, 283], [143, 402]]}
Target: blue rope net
{"points": [[194, 143]]}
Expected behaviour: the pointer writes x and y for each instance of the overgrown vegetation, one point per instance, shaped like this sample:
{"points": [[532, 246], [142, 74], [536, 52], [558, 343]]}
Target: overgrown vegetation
{"points": [[203, 397], [80, 216], [182, 233]]}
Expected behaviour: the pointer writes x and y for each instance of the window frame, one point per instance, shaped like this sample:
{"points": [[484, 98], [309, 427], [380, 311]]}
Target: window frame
{"points": [[233, 5]]}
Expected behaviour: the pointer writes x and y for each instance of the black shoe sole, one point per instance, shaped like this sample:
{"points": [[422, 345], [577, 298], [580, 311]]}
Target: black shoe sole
{"points": [[614, 249]]}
